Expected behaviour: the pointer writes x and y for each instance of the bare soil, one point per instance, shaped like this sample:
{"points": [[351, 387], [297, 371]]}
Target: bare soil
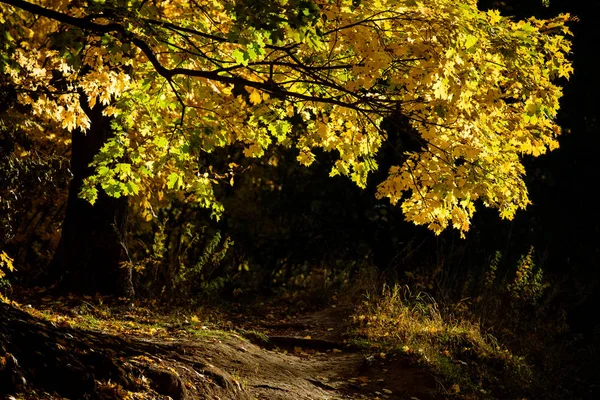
{"points": [[272, 358], [307, 357]]}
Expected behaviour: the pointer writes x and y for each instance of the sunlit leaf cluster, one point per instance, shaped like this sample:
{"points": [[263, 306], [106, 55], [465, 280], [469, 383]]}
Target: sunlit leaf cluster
{"points": [[181, 79]]}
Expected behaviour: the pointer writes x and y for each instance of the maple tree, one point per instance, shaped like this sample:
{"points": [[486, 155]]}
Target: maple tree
{"points": [[142, 91]]}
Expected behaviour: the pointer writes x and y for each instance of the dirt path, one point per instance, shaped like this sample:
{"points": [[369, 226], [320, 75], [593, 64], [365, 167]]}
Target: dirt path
{"points": [[268, 356], [306, 358]]}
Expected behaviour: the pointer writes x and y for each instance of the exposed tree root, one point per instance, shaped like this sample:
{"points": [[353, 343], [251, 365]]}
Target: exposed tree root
{"points": [[36, 355]]}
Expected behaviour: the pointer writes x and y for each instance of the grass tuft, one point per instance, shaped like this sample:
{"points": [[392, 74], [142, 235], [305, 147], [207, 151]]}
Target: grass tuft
{"points": [[469, 362]]}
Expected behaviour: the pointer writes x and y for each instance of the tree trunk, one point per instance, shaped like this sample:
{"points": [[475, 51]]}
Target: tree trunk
{"points": [[90, 250]]}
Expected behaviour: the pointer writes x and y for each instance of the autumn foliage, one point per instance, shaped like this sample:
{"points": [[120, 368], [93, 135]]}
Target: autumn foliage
{"points": [[180, 79]]}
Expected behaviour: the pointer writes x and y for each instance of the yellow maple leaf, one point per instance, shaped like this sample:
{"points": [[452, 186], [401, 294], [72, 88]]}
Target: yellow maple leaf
{"points": [[494, 16], [306, 157], [255, 97]]}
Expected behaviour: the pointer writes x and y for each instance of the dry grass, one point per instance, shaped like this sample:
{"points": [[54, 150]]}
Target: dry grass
{"points": [[469, 362]]}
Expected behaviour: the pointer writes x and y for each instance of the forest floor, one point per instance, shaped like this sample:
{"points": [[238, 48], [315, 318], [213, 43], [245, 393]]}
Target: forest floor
{"points": [[262, 351]]}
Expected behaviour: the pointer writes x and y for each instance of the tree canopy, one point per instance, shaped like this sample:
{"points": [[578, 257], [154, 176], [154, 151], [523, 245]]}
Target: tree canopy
{"points": [[180, 79]]}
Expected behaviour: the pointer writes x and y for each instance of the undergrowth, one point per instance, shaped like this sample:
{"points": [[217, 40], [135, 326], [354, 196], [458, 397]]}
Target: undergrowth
{"points": [[469, 362]]}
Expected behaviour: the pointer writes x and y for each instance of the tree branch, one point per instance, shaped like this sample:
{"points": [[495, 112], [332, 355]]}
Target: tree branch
{"points": [[120, 32], [82, 23]]}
